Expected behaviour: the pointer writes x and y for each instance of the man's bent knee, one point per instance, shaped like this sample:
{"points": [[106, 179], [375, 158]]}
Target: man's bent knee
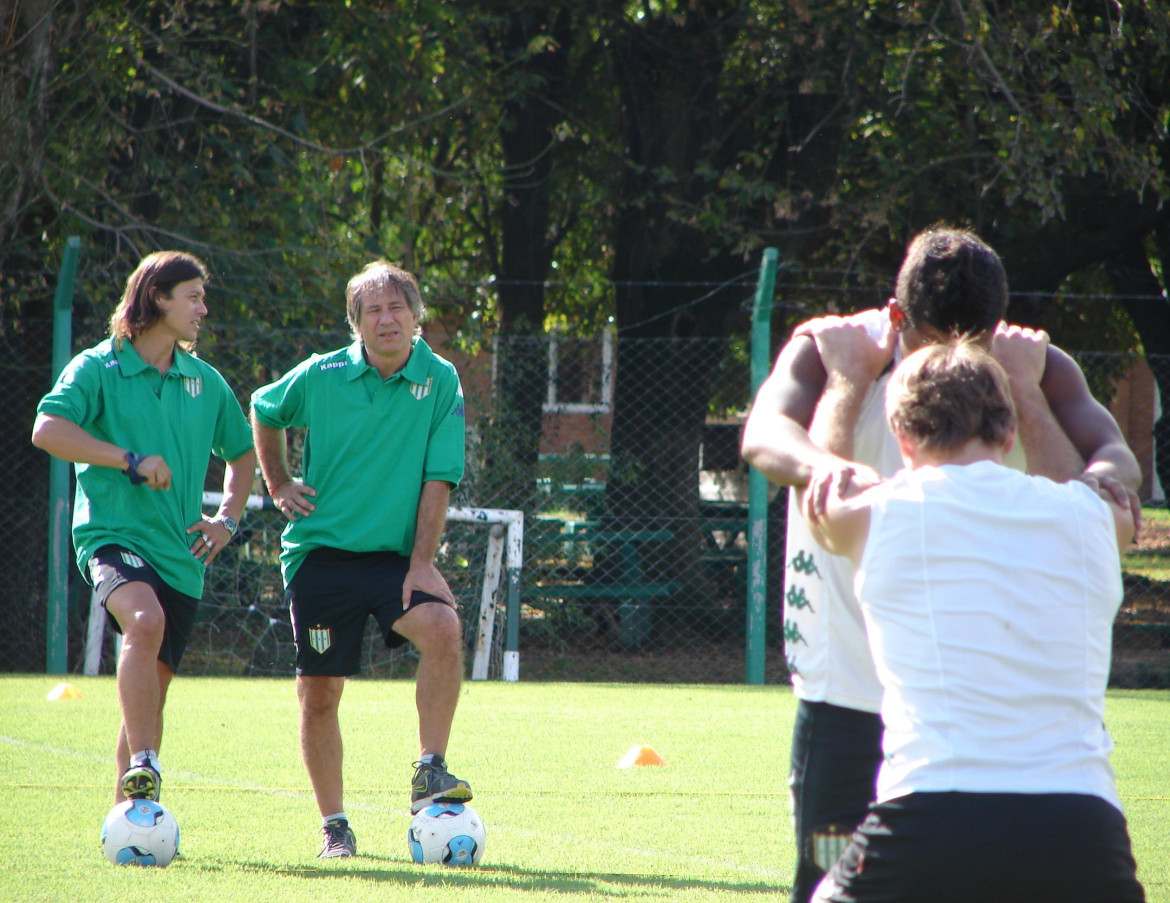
{"points": [[138, 613], [432, 627]]}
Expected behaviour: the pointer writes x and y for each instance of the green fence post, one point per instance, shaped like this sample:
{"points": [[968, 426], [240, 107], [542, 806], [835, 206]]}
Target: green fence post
{"points": [[757, 589], [57, 615]]}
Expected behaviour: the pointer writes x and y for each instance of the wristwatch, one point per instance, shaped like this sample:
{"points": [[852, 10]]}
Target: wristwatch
{"points": [[231, 525], [133, 459]]}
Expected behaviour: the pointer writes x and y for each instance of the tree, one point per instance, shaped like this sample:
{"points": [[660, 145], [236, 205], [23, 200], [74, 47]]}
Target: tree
{"points": [[560, 164]]}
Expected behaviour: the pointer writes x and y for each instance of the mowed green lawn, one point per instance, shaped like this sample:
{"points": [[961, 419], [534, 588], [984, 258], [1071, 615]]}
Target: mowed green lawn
{"points": [[563, 822]]}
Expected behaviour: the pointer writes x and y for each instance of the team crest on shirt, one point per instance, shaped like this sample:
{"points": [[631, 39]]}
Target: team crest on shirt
{"points": [[320, 638], [193, 385], [421, 392]]}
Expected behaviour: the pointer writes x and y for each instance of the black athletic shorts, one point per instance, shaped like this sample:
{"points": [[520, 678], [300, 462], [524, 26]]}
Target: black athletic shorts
{"points": [[114, 566], [330, 598], [834, 761], [987, 848]]}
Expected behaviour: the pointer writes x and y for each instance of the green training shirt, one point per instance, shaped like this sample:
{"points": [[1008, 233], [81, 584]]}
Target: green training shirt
{"points": [[185, 416], [370, 444]]}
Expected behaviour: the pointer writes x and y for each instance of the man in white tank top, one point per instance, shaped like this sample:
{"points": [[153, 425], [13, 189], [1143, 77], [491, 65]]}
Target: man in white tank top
{"points": [[989, 598], [950, 283]]}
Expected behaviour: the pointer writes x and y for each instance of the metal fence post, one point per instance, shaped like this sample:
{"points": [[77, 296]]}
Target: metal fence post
{"points": [[757, 589], [57, 615]]}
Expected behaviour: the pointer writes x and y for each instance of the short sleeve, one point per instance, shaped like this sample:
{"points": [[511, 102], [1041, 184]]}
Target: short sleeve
{"points": [[233, 436], [284, 403], [446, 445], [77, 394]]}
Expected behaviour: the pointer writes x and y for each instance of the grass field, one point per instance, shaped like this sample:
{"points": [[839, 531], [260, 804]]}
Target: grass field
{"points": [[563, 822], [1150, 555]]}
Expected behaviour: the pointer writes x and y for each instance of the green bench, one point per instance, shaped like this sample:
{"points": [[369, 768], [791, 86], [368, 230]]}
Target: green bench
{"points": [[587, 497], [632, 591]]}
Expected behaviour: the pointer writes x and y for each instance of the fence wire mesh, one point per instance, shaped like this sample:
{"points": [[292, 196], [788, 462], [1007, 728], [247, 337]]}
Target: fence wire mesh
{"points": [[623, 455]]}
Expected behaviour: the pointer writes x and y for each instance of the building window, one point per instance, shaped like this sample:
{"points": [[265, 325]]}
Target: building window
{"points": [[580, 374]]}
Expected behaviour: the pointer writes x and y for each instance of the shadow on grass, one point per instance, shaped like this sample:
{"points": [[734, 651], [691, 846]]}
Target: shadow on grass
{"points": [[394, 871]]}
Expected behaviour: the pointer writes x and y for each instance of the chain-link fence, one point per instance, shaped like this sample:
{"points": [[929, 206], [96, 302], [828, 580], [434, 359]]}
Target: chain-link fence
{"points": [[25, 499], [623, 455]]}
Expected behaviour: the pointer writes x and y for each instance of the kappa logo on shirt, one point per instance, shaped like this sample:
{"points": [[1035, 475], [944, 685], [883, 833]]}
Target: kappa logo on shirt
{"points": [[336, 365], [421, 392], [193, 385]]}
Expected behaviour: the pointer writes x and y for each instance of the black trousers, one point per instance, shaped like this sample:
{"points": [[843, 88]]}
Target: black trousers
{"points": [[835, 757]]}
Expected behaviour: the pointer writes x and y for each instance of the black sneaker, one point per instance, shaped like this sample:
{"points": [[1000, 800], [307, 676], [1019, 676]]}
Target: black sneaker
{"points": [[141, 782], [434, 784], [339, 840]]}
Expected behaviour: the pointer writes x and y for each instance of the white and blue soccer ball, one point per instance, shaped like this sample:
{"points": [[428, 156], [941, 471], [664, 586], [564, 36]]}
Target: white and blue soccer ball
{"points": [[447, 833], [140, 832]]}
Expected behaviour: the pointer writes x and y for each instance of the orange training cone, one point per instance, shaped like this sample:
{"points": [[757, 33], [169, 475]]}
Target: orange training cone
{"points": [[641, 755], [63, 691]]}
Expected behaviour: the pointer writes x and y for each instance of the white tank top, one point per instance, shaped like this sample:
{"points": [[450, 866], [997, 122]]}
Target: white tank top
{"points": [[824, 633], [989, 597]]}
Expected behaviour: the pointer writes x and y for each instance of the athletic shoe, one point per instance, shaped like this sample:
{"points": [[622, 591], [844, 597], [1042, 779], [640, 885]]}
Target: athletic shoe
{"points": [[434, 784], [141, 782], [339, 840]]}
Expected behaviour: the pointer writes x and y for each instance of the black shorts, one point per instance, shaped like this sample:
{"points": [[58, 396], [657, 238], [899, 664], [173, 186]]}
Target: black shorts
{"points": [[114, 566], [835, 757], [981, 847], [330, 598]]}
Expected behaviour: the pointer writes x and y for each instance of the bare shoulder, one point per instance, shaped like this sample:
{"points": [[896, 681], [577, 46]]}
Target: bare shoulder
{"points": [[1063, 376], [797, 380]]}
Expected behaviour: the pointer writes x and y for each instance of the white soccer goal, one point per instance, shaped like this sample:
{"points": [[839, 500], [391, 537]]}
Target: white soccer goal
{"points": [[502, 557]]}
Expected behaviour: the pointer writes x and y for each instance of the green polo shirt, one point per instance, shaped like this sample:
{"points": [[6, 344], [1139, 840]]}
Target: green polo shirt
{"points": [[185, 416], [370, 444]]}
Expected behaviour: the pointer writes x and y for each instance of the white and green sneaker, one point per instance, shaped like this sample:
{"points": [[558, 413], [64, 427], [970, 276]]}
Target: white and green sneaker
{"points": [[340, 842]]}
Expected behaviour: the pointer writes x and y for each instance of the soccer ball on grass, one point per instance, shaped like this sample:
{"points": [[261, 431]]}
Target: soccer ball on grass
{"points": [[447, 833], [140, 832]]}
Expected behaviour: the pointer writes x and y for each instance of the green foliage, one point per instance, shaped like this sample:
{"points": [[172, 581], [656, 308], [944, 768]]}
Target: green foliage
{"points": [[290, 142]]}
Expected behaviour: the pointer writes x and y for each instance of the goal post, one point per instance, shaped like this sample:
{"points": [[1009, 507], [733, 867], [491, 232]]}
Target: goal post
{"points": [[507, 536]]}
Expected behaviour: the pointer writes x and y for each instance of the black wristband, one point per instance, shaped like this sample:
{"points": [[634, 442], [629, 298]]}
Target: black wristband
{"points": [[132, 462]]}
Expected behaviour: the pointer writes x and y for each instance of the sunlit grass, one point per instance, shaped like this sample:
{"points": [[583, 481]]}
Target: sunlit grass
{"points": [[563, 822]]}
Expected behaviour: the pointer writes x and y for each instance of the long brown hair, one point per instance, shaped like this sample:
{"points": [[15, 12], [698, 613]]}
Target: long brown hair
{"points": [[157, 274]]}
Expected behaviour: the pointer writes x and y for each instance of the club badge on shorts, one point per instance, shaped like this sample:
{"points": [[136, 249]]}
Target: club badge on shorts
{"points": [[828, 843], [133, 560], [320, 638]]}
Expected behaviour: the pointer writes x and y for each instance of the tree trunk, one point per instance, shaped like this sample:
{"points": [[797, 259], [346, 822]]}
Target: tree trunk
{"points": [[512, 447], [1132, 278]]}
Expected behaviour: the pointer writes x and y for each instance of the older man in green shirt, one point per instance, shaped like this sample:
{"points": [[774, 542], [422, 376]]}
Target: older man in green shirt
{"points": [[384, 446], [139, 415]]}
